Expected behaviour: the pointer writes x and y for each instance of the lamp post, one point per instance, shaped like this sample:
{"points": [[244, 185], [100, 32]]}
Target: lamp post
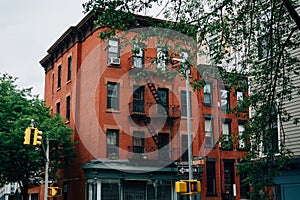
{"points": [[188, 117], [46, 170], [188, 114]]}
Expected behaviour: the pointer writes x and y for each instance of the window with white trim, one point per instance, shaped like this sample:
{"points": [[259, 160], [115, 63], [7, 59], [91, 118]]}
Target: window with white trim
{"points": [[207, 94], [225, 99], [242, 142], [209, 132], [138, 57], [113, 96], [162, 58], [113, 52], [112, 143]]}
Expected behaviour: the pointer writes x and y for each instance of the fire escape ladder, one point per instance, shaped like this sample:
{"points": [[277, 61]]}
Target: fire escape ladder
{"points": [[158, 100], [151, 129], [153, 89]]}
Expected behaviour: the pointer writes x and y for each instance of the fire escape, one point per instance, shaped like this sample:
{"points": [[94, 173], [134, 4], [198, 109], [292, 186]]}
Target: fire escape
{"points": [[171, 113]]}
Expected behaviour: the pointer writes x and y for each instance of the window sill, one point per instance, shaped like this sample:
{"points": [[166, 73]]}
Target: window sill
{"points": [[112, 111], [67, 122], [114, 65], [68, 82], [211, 195], [57, 89], [185, 117], [210, 146]]}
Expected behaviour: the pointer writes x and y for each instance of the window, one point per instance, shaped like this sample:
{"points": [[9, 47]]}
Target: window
{"points": [[270, 133], [138, 57], [69, 74], [225, 99], [164, 98], [264, 35], [184, 104], [263, 46], [109, 190], [228, 177], [184, 147], [242, 143], [163, 141], [138, 99], [113, 52], [58, 108], [59, 77], [270, 139], [226, 134], [207, 94], [162, 59], [52, 84], [34, 196], [68, 108], [209, 133], [211, 178], [113, 90], [138, 142], [240, 97], [112, 143]]}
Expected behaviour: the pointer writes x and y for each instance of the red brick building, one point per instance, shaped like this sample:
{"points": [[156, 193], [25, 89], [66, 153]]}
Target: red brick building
{"points": [[127, 106]]}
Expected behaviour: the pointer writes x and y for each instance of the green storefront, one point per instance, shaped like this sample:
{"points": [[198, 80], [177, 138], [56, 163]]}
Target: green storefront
{"points": [[288, 184], [130, 180]]}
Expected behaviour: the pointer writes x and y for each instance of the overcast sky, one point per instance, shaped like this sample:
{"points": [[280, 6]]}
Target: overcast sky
{"points": [[27, 30]]}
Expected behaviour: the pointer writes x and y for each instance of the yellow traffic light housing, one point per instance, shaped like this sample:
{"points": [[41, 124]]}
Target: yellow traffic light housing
{"points": [[37, 140], [54, 192], [195, 186], [188, 187], [27, 135], [181, 187]]}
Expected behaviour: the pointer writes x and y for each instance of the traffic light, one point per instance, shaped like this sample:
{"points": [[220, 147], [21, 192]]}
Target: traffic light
{"points": [[37, 140], [181, 187], [195, 186], [27, 136], [188, 187], [54, 191]]}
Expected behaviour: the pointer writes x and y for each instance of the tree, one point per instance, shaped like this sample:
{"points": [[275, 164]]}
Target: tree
{"points": [[21, 163], [254, 39]]}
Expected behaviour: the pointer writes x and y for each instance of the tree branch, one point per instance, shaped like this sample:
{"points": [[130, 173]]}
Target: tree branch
{"points": [[292, 12]]}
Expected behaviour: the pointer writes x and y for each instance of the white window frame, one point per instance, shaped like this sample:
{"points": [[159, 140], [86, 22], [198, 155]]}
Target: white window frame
{"points": [[113, 50], [162, 58]]}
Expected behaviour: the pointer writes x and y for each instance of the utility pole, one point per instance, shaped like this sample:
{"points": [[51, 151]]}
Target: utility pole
{"points": [[188, 113], [46, 170], [32, 131]]}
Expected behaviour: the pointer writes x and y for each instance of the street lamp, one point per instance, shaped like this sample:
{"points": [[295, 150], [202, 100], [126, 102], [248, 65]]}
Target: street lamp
{"points": [[188, 115]]}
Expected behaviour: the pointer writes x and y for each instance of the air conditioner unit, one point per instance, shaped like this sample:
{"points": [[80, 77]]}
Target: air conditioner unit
{"points": [[114, 61], [242, 145], [226, 138]]}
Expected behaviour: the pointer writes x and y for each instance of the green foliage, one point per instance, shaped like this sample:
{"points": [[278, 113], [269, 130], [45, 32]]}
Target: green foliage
{"points": [[25, 163], [253, 39]]}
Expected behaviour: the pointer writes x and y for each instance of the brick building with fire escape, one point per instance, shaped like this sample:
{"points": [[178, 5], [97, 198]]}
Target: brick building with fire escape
{"points": [[127, 107]]}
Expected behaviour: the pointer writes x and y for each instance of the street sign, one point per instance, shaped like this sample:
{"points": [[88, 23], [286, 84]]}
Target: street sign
{"points": [[184, 170]]}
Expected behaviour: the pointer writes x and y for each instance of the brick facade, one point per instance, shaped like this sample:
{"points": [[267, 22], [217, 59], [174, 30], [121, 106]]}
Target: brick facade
{"points": [[91, 119]]}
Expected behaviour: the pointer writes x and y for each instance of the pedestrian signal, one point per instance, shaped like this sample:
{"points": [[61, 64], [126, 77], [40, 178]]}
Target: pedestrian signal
{"points": [[54, 191], [188, 187]]}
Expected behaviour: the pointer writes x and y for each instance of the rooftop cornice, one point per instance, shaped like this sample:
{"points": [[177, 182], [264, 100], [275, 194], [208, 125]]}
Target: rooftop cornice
{"points": [[71, 36]]}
